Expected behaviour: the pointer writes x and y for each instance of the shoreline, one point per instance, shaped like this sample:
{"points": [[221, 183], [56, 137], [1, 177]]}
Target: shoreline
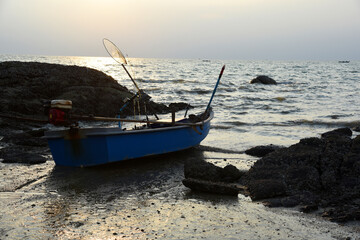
{"points": [[147, 202]]}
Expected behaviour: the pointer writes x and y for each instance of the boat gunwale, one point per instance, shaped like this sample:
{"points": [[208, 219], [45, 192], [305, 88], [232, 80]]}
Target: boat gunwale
{"points": [[53, 134]]}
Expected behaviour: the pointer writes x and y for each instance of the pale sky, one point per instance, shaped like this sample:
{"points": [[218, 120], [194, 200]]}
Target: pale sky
{"points": [[206, 29]]}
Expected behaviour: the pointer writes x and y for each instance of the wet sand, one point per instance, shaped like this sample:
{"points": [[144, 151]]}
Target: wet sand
{"points": [[143, 200]]}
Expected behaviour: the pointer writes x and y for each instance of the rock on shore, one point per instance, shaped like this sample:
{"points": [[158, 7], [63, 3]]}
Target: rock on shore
{"points": [[25, 86], [315, 174]]}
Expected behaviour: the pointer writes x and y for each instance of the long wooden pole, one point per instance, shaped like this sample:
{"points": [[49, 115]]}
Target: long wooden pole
{"points": [[213, 93], [107, 119], [138, 89]]}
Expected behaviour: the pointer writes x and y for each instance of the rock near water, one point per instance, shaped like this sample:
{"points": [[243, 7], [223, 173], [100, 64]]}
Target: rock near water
{"points": [[316, 172], [25, 86], [263, 80]]}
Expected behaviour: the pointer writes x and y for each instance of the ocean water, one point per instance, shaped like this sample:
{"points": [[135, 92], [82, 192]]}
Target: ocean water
{"points": [[311, 97]]}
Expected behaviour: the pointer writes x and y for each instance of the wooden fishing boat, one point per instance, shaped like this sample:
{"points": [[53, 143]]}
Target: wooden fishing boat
{"points": [[83, 147]]}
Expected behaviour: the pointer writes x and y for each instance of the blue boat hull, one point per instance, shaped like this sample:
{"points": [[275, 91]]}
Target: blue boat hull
{"points": [[96, 146]]}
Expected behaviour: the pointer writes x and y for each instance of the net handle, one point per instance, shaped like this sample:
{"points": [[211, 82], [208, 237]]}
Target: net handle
{"points": [[119, 57]]}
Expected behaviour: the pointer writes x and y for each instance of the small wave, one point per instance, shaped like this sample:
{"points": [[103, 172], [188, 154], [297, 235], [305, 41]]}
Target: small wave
{"points": [[152, 89], [221, 127], [350, 124], [337, 116], [199, 91], [236, 123], [178, 81]]}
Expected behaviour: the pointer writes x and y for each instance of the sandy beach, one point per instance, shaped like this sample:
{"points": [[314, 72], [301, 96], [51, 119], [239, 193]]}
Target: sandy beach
{"points": [[142, 200]]}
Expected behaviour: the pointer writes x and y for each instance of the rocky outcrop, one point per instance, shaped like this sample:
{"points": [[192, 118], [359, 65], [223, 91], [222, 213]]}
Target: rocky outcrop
{"points": [[263, 80], [314, 173], [26, 86]]}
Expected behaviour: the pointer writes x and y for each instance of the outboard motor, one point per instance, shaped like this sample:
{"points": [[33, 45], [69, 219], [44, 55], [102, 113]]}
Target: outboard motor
{"points": [[59, 112]]}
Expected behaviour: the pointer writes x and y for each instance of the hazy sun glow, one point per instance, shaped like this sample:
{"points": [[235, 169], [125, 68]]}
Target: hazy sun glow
{"points": [[241, 29]]}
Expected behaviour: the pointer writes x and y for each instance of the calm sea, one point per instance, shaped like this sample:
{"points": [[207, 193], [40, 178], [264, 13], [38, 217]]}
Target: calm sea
{"points": [[310, 98]]}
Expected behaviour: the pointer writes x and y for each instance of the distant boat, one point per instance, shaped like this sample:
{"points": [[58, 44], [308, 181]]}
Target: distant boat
{"points": [[344, 61]]}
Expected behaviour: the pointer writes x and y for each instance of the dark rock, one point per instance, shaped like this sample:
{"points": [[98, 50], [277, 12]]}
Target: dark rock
{"points": [[290, 201], [18, 155], [338, 132], [206, 177], [263, 80], [319, 172], [28, 138], [303, 178], [26, 86], [202, 170], [260, 151], [207, 171], [313, 141], [230, 173], [265, 188]]}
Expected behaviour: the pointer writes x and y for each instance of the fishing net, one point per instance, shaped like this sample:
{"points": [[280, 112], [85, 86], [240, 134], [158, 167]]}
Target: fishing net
{"points": [[114, 52]]}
